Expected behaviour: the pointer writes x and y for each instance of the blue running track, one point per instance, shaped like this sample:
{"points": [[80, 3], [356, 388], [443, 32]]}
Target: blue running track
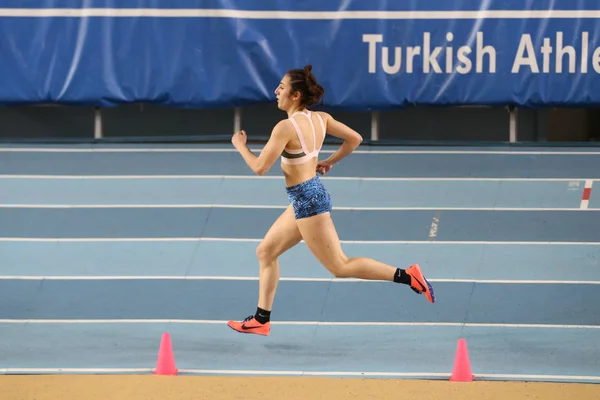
{"points": [[104, 248]]}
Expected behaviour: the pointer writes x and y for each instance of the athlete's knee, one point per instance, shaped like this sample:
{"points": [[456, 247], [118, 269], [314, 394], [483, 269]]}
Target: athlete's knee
{"points": [[339, 267], [339, 273], [265, 253]]}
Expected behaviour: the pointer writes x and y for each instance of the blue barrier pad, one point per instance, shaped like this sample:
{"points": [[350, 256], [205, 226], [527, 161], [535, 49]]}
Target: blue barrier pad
{"points": [[368, 55]]}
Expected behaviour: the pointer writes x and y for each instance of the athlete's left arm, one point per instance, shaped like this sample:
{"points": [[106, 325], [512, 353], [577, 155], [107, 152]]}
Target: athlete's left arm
{"points": [[262, 163]]}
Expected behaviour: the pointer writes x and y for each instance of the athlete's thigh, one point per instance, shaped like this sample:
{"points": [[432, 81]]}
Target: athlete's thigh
{"points": [[282, 235], [322, 239]]}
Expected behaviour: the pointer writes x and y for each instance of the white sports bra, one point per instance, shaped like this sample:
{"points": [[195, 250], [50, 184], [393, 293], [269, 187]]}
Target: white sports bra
{"points": [[300, 156]]}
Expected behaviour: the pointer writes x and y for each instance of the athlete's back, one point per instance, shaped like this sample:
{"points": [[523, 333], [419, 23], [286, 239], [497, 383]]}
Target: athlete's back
{"points": [[300, 157]]}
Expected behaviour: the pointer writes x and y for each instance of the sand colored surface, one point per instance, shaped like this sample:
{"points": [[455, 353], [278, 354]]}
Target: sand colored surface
{"points": [[148, 387]]}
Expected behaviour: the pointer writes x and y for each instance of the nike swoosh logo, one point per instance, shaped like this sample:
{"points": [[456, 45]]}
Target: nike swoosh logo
{"points": [[422, 287], [249, 327]]}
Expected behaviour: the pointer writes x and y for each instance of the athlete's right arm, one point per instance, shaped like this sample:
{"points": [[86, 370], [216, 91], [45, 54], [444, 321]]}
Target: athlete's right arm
{"points": [[351, 138]]}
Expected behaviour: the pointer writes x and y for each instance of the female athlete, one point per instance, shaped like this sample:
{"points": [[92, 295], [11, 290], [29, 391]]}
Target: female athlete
{"points": [[297, 140]]}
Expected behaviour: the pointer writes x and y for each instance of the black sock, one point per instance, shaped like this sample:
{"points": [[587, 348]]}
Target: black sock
{"points": [[402, 277], [262, 316]]}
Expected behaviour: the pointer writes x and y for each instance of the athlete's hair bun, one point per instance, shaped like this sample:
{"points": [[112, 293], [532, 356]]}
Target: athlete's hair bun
{"points": [[304, 81]]}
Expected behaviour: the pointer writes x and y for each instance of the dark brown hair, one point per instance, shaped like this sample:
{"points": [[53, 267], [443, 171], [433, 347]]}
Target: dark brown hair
{"points": [[304, 82]]}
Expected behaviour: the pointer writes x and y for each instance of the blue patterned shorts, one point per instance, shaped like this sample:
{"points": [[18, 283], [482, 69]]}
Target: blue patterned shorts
{"points": [[309, 198]]}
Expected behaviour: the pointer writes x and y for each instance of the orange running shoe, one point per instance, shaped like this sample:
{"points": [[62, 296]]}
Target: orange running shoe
{"points": [[250, 325], [419, 284]]}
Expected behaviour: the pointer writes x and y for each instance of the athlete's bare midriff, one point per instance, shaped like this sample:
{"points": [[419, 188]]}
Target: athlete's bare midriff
{"points": [[296, 174]]}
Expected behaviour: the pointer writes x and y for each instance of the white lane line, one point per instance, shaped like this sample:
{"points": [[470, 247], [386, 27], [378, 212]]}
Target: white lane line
{"points": [[527, 377], [298, 323], [433, 229], [258, 240], [424, 375], [258, 149], [289, 279], [278, 177], [183, 371], [8, 371]]}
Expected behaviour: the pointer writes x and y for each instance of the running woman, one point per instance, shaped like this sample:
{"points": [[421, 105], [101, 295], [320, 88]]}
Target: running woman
{"points": [[297, 140]]}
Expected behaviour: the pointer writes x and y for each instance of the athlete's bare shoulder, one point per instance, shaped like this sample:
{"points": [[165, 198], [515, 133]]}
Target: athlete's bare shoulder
{"points": [[283, 128], [326, 116], [283, 132], [339, 129]]}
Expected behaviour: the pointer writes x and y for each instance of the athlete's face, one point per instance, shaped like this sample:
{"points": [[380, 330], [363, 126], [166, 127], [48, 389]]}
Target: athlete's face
{"points": [[285, 98]]}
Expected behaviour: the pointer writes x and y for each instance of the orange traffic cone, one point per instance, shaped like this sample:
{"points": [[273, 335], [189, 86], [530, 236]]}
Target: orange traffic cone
{"points": [[165, 365], [462, 366]]}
